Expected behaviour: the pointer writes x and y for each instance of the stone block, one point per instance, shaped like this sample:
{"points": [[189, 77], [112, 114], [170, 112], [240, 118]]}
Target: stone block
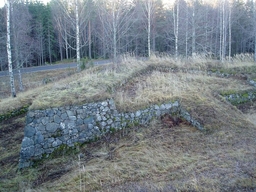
{"points": [[70, 113], [45, 120], [39, 138], [52, 127], [72, 118], [29, 131], [64, 116], [27, 142]]}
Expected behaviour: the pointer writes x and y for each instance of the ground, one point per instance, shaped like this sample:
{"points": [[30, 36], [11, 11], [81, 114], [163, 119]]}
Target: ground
{"points": [[167, 155]]}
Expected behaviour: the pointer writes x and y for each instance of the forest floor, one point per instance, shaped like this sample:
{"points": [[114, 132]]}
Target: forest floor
{"points": [[159, 157]]}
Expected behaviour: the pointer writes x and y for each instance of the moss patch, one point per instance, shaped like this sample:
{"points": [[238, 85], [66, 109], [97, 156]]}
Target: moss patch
{"points": [[14, 113]]}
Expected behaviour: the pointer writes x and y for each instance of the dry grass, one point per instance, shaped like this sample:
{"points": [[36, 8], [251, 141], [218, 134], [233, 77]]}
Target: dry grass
{"points": [[159, 86], [100, 82], [158, 157]]}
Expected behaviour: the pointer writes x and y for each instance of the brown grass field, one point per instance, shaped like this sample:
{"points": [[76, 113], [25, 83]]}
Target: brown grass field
{"points": [[159, 157]]}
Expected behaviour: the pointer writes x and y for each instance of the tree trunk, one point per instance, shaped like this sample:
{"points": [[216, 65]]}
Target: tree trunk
{"points": [[16, 51], [176, 28], [193, 32], [223, 31], [9, 52], [49, 46], [90, 40], [186, 40], [60, 47], [229, 30], [149, 26], [114, 34], [77, 38], [66, 43]]}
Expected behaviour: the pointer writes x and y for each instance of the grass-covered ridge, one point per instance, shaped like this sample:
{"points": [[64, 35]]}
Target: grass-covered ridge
{"points": [[159, 157], [101, 82]]}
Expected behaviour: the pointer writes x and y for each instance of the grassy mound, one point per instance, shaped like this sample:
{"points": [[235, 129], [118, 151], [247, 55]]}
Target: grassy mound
{"points": [[160, 157]]}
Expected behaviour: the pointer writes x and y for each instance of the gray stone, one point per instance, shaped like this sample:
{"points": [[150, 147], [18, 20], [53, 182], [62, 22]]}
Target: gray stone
{"points": [[72, 118], [117, 119], [176, 104], [70, 113], [27, 142], [103, 124], [88, 120], [45, 120], [27, 152], [110, 121], [31, 114], [80, 111], [156, 107], [90, 126], [64, 138], [39, 138], [168, 106], [49, 112], [49, 151], [98, 117], [138, 113], [29, 131], [30, 117], [62, 125], [38, 151], [106, 109], [104, 103], [79, 122], [40, 128], [64, 116], [56, 119], [52, 127], [70, 124], [56, 143], [162, 107]]}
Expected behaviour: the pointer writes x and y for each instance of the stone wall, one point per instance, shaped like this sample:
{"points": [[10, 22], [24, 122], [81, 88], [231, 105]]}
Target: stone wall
{"points": [[47, 130]]}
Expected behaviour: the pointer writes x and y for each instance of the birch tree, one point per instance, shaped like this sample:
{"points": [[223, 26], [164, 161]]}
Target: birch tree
{"points": [[8, 46], [176, 10], [149, 9], [116, 19]]}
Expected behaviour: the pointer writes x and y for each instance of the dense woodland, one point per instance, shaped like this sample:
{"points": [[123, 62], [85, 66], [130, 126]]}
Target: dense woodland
{"points": [[74, 29]]}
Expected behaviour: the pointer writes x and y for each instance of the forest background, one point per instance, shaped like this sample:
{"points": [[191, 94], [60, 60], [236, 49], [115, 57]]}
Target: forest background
{"points": [[63, 29]]}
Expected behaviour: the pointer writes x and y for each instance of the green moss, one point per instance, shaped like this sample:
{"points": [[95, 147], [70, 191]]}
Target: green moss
{"points": [[112, 130], [14, 113], [62, 150], [239, 97], [57, 134], [228, 92]]}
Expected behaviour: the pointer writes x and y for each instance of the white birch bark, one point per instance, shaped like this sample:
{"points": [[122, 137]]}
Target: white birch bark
{"points": [[229, 30], [149, 7], [8, 45], [77, 38], [223, 31], [17, 58], [114, 31], [254, 16], [176, 28], [90, 40], [193, 32]]}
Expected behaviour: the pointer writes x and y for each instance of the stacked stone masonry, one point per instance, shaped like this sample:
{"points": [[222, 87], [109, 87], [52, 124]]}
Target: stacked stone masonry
{"points": [[47, 130]]}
